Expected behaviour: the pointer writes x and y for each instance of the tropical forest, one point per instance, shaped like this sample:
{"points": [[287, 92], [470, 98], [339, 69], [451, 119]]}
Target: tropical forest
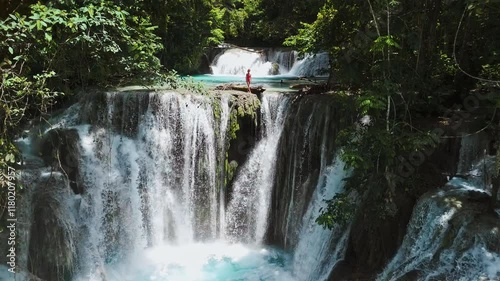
{"points": [[249, 140]]}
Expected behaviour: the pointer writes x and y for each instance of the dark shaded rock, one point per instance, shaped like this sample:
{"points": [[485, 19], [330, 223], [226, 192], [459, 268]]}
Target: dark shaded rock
{"points": [[94, 108], [116, 111], [377, 232], [413, 275], [307, 143], [51, 245], [245, 121], [381, 223], [60, 149], [204, 67]]}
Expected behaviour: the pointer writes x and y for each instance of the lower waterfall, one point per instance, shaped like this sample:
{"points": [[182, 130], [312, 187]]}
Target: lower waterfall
{"points": [[249, 205], [152, 197], [329, 245], [452, 234], [135, 186]]}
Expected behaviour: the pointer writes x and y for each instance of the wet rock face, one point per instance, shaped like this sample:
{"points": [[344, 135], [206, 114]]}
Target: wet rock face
{"points": [[51, 247], [381, 224], [59, 148], [307, 143], [245, 123], [117, 111], [452, 234]]}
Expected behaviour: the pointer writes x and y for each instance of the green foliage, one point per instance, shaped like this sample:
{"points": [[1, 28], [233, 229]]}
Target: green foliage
{"points": [[234, 15], [339, 211], [382, 43], [230, 170], [278, 19], [186, 29], [98, 44], [409, 43], [172, 80], [52, 50], [22, 97]]}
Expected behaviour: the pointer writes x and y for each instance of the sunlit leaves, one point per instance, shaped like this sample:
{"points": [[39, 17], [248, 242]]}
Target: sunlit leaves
{"points": [[384, 42], [339, 211], [51, 50]]}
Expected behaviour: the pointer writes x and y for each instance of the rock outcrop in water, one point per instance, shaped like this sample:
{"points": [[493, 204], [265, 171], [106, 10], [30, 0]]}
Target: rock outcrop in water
{"points": [[59, 148], [452, 235], [52, 244]]}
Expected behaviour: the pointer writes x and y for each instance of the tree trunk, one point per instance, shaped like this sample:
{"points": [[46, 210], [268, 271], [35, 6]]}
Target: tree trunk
{"points": [[431, 10]]}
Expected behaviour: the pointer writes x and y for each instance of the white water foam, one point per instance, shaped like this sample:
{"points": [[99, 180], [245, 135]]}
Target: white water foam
{"points": [[249, 206], [153, 208], [313, 257], [236, 62]]}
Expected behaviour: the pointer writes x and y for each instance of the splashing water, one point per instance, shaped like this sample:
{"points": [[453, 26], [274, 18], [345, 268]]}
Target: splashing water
{"points": [[316, 265], [199, 262], [153, 205], [448, 239], [250, 203], [237, 61]]}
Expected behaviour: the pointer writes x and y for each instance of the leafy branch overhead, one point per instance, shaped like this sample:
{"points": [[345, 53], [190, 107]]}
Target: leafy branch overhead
{"points": [[50, 52], [98, 45]]}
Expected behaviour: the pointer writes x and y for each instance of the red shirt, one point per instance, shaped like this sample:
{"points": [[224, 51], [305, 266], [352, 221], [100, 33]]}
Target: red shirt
{"points": [[249, 77]]}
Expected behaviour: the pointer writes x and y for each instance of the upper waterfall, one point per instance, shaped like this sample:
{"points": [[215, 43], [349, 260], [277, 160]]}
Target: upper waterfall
{"points": [[265, 62]]}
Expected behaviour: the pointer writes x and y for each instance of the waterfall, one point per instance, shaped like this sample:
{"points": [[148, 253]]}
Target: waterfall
{"points": [[146, 197], [452, 234], [157, 186], [248, 208], [311, 65], [283, 58], [313, 257], [303, 156], [222, 148], [472, 148], [448, 239], [235, 61]]}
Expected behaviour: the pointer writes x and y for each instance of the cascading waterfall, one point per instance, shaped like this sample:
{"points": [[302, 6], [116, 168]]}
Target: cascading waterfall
{"points": [[311, 65], [302, 158], [269, 62], [284, 59], [222, 148], [224, 63], [448, 239], [472, 149], [157, 187], [249, 205], [452, 234], [150, 196], [313, 257]]}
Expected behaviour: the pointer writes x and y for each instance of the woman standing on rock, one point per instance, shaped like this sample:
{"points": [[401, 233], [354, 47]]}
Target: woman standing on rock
{"points": [[249, 79]]}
